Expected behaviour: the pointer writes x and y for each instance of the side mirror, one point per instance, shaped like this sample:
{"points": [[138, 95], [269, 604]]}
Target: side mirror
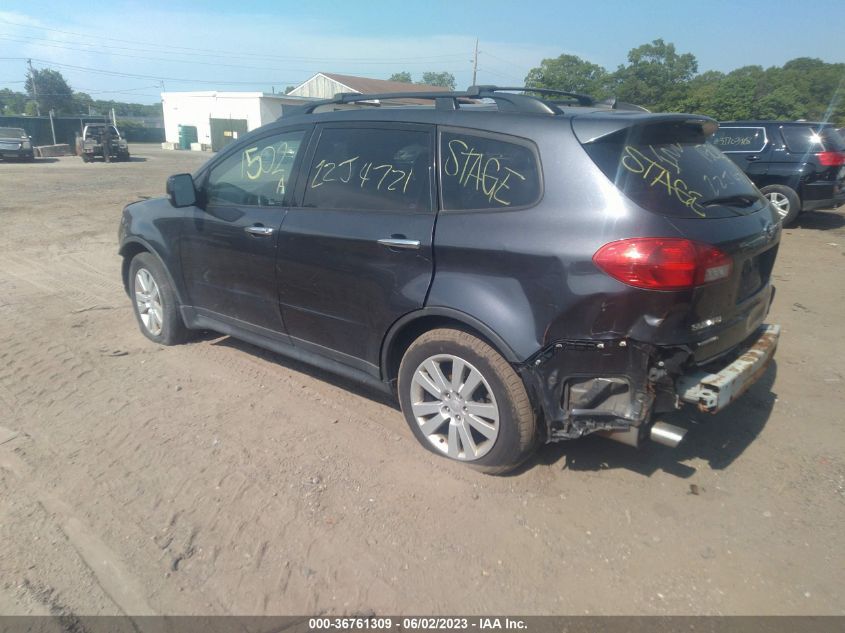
{"points": [[181, 190]]}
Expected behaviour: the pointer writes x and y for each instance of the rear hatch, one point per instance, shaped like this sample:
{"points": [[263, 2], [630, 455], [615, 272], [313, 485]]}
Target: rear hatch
{"points": [[822, 145], [664, 165]]}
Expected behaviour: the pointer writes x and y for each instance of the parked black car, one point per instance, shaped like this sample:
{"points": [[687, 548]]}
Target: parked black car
{"points": [[15, 143], [518, 272], [798, 165]]}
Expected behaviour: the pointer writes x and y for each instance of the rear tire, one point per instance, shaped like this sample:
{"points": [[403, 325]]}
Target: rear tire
{"points": [[464, 401], [154, 301], [785, 201]]}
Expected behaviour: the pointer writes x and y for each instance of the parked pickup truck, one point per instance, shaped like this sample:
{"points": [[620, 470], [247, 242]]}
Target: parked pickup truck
{"points": [[90, 144], [14, 143]]}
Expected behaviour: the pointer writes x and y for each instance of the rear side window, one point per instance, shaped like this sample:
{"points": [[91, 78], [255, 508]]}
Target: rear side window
{"points": [[739, 139], [371, 169], [487, 172], [806, 139], [670, 169]]}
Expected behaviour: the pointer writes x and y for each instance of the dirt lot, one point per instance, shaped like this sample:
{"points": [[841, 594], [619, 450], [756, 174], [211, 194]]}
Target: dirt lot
{"points": [[217, 478]]}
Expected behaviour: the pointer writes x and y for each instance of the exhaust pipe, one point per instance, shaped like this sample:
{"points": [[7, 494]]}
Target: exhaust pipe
{"points": [[667, 434]]}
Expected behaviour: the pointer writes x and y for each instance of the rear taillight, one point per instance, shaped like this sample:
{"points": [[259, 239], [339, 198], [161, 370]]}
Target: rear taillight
{"points": [[663, 263], [831, 159]]}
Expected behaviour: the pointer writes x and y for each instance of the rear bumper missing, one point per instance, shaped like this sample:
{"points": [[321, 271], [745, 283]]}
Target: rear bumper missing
{"points": [[711, 389], [615, 386]]}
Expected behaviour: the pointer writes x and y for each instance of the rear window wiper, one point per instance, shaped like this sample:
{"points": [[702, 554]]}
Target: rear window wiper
{"points": [[736, 200]]}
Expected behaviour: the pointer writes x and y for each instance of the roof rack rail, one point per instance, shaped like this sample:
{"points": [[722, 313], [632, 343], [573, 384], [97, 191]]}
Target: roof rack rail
{"points": [[582, 99], [451, 100]]}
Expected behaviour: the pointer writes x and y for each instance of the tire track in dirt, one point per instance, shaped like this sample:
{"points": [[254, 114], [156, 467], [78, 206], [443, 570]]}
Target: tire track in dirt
{"points": [[79, 284], [107, 567]]}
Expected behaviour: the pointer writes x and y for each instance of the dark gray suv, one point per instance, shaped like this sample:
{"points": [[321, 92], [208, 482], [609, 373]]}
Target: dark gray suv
{"points": [[516, 269]]}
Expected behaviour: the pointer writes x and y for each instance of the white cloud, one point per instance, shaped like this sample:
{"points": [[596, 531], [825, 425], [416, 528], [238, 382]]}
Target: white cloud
{"points": [[259, 50]]}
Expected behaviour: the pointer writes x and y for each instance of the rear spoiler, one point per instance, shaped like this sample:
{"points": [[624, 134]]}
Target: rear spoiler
{"points": [[591, 127]]}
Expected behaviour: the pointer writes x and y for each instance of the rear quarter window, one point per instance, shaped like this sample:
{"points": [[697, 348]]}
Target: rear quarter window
{"points": [[739, 139], [801, 139], [481, 171]]}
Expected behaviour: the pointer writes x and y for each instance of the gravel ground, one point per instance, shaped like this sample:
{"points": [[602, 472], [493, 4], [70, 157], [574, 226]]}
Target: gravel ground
{"points": [[217, 478]]}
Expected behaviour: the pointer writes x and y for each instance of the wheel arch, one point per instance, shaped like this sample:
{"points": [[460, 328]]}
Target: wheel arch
{"points": [[135, 246], [406, 329]]}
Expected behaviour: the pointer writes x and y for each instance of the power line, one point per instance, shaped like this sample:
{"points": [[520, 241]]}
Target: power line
{"points": [[114, 73], [109, 50], [229, 54], [509, 63], [500, 74]]}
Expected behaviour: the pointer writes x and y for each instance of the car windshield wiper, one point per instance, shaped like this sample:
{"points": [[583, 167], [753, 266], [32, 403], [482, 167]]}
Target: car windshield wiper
{"points": [[736, 200]]}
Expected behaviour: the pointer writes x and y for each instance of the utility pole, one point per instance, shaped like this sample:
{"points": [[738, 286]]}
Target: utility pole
{"points": [[34, 87], [475, 62]]}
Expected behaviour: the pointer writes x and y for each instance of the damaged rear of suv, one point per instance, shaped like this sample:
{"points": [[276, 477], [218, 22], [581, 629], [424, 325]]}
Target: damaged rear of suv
{"points": [[671, 311], [515, 269]]}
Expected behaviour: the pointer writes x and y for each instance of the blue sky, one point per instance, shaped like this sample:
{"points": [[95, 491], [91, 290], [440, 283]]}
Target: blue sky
{"points": [[126, 50]]}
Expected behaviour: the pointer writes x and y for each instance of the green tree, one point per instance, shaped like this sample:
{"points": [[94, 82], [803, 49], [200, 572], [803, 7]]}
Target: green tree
{"points": [[12, 102], [444, 79], [736, 95], [701, 92], [820, 86], [81, 102], [404, 77], [51, 91], [570, 73], [656, 76], [784, 102]]}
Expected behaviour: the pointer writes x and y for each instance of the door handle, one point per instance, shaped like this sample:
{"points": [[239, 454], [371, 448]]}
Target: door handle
{"points": [[750, 158], [259, 230], [395, 242]]}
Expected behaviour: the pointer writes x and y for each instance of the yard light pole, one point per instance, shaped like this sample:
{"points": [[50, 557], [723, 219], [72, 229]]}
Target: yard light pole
{"points": [[53, 127]]}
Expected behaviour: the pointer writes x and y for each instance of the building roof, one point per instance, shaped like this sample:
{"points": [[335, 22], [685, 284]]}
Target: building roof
{"points": [[365, 85], [234, 95]]}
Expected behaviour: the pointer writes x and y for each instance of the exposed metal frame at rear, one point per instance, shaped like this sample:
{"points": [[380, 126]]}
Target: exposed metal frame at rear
{"points": [[712, 392]]}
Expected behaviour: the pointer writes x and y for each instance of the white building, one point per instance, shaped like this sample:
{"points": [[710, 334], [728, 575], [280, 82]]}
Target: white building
{"points": [[220, 117]]}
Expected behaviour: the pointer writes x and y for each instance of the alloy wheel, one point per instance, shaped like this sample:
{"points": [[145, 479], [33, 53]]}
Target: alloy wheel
{"points": [[455, 407], [781, 203], [148, 301]]}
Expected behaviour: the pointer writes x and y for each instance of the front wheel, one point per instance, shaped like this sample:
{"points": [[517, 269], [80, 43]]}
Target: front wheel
{"points": [[464, 401], [154, 301], [785, 201]]}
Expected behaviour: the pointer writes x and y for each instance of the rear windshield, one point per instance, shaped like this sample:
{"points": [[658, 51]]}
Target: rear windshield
{"points": [[808, 139], [670, 169], [11, 132]]}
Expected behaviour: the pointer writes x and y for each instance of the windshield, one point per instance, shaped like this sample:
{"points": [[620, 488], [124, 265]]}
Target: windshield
{"points": [[95, 131], [12, 132], [670, 169]]}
